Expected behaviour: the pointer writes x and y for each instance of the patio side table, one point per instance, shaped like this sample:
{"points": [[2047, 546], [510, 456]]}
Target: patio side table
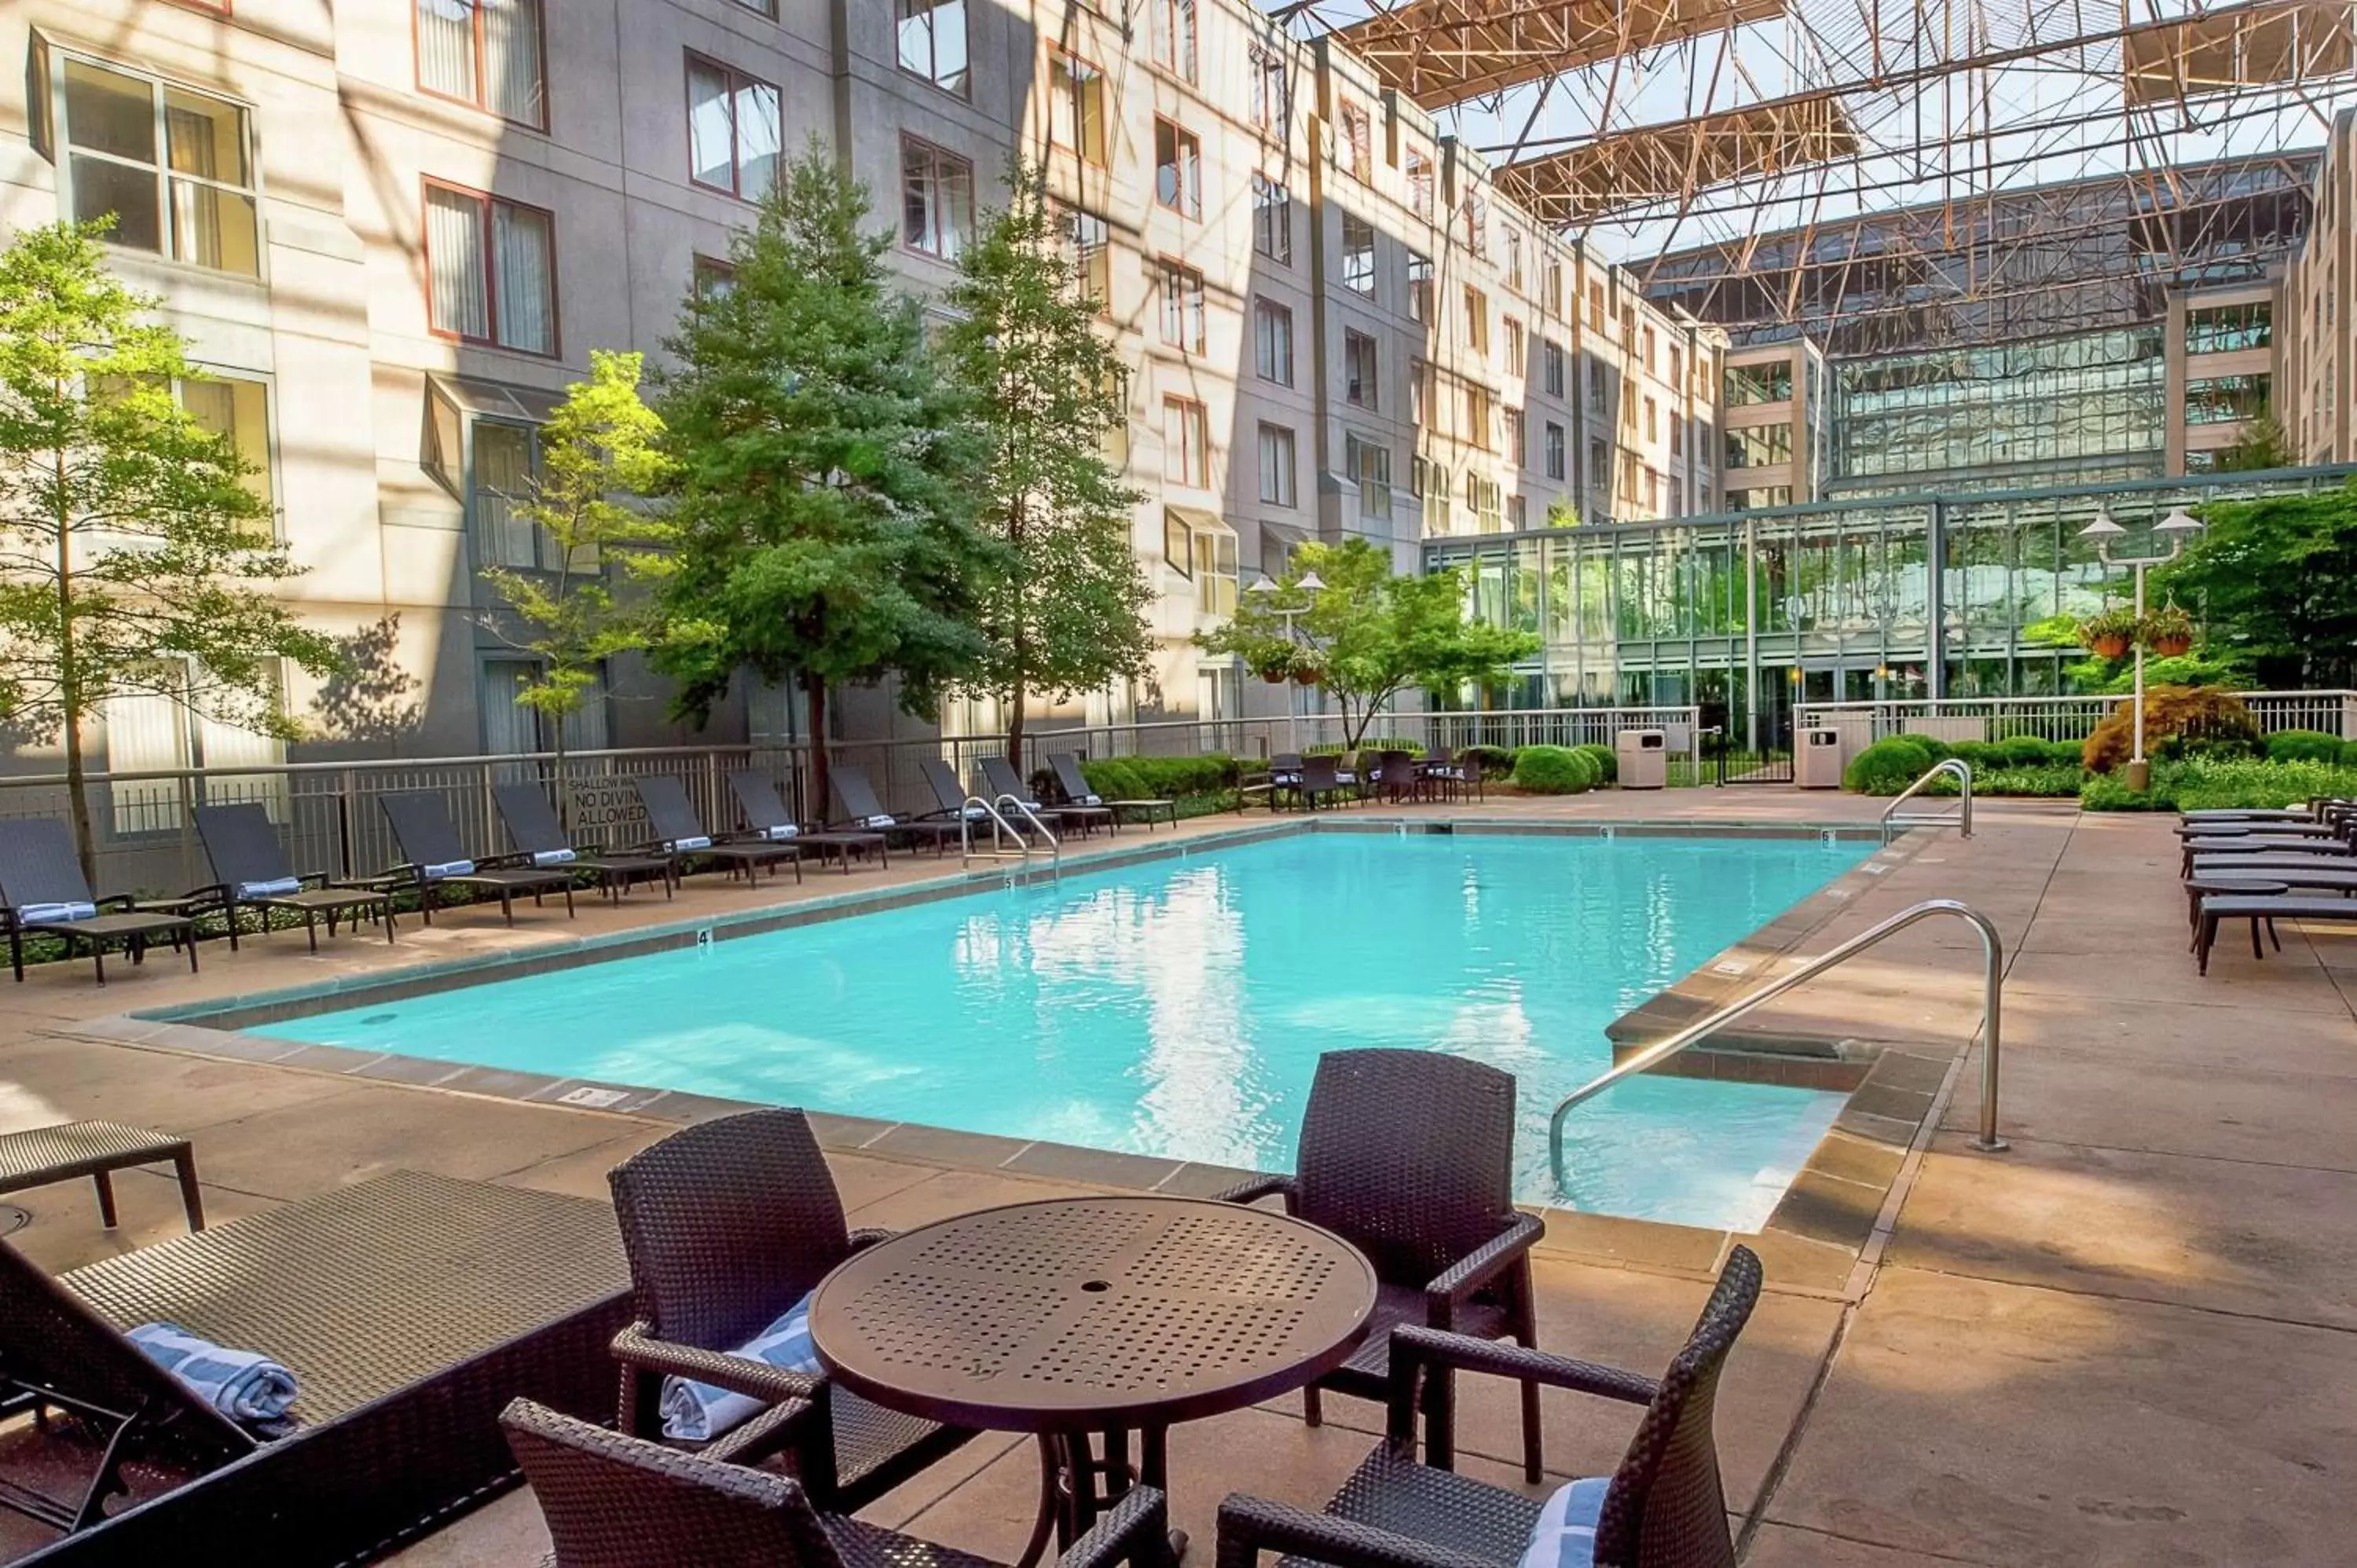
{"points": [[40, 1155], [1084, 1321]]}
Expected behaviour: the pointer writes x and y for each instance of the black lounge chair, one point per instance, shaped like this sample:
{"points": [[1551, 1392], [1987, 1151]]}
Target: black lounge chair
{"points": [[242, 848], [2266, 909], [411, 1308], [614, 1501], [540, 840], [727, 1224], [1000, 780], [863, 813], [680, 834], [432, 858], [43, 893], [764, 813], [1663, 1507], [1409, 1155], [2259, 843], [1075, 786], [949, 793]]}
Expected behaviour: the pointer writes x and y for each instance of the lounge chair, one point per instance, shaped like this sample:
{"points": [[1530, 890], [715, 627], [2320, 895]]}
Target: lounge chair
{"points": [[679, 833], [2219, 908], [764, 813], [410, 1308], [42, 892], [727, 1224], [1409, 1156], [2193, 849], [253, 872], [433, 858], [1000, 780], [1664, 1505], [863, 813], [949, 793], [540, 840], [615, 1502], [1075, 786]]}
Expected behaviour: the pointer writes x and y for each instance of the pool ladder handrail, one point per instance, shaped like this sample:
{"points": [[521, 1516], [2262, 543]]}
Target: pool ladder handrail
{"points": [[1023, 809], [1993, 1027], [1955, 766], [1001, 831]]}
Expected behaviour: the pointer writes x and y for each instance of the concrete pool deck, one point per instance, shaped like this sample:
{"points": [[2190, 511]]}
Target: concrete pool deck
{"points": [[2129, 1341]]}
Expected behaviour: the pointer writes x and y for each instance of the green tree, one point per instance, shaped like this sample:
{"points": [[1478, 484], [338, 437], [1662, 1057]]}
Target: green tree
{"points": [[134, 552], [823, 494], [598, 449], [2262, 445], [1065, 610], [2273, 581], [1368, 634]]}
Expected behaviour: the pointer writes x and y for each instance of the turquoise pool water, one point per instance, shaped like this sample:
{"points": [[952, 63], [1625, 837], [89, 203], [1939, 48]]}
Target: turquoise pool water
{"points": [[1178, 1007]]}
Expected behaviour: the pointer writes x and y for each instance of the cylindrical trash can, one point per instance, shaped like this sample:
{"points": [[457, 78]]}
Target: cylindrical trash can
{"points": [[1643, 756]]}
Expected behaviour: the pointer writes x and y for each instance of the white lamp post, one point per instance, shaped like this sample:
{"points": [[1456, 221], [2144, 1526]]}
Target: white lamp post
{"points": [[1309, 584], [2175, 528]]}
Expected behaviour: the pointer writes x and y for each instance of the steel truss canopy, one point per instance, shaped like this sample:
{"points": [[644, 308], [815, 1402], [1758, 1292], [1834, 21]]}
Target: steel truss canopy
{"points": [[1660, 163], [1441, 53]]}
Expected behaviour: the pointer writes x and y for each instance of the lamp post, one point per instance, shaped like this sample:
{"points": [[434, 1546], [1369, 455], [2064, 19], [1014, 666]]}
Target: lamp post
{"points": [[2178, 527], [1262, 587]]}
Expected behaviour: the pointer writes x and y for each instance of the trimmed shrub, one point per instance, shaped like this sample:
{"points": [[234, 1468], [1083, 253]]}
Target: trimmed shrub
{"points": [[2211, 784], [2046, 781], [2304, 746], [2029, 751], [1935, 748], [1372, 744], [1981, 755], [1553, 770], [1607, 760], [1497, 761], [1160, 777], [2207, 719], [1887, 767]]}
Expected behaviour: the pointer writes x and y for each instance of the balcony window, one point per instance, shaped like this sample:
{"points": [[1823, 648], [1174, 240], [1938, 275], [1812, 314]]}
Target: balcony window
{"points": [[1770, 382], [174, 168], [733, 129], [484, 52], [1759, 446], [490, 267]]}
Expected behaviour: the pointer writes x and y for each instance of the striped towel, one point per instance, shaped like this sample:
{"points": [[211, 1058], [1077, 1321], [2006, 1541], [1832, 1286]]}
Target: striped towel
{"points": [[782, 831], [698, 1413], [276, 887], [247, 1387], [681, 847], [32, 913], [545, 858], [880, 820], [448, 868], [1564, 1534]]}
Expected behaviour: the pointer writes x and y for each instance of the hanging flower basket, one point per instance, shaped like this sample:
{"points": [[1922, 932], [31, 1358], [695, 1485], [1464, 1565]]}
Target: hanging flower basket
{"points": [[2109, 645], [1307, 675], [1272, 673], [2110, 634], [2171, 645], [2167, 631]]}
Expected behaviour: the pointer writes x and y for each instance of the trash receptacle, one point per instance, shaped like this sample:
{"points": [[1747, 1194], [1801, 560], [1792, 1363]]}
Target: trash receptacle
{"points": [[1643, 756], [1817, 765]]}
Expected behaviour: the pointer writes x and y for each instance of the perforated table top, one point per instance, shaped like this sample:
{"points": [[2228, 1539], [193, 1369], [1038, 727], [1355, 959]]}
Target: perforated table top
{"points": [[1092, 1314]]}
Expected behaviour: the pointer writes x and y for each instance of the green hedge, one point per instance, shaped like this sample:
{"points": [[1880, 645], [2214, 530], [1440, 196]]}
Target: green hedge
{"points": [[1497, 761], [1160, 777], [1372, 744], [1887, 767], [1607, 760], [1932, 746], [1553, 770], [2020, 751], [2304, 746], [2214, 783]]}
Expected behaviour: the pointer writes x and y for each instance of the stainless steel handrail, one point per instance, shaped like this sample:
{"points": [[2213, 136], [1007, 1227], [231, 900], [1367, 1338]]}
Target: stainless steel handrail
{"points": [[1993, 1025], [1055, 844], [1001, 830], [1956, 765]]}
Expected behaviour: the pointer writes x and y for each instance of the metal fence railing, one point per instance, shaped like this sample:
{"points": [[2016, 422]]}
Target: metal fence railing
{"points": [[2054, 718], [328, 812]]}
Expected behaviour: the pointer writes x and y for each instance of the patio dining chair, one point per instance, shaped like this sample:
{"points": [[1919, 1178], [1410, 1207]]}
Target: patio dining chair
{"points": [[1408, 1156], [1320, 777], [726, 1225], [433, 858], [1663, 1507], [43, 893], [616, 1501], [251, 871]]}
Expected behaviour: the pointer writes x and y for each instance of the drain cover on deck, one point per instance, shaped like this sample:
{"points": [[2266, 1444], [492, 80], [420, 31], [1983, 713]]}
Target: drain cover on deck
{"points": [[594, 1099], [13, 1218]]}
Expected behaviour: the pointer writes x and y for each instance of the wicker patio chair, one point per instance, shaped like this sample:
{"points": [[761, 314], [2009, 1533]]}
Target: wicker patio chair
{"points": [[242, 848], [616, 1501], [41, 888], [765, 814], [540, 839], [679, 833], [727, 1224], [1397, 777], [1319, 776], [433, 857], [1409, 1156], [999, 780], [1663, 1507], [864, 812]]}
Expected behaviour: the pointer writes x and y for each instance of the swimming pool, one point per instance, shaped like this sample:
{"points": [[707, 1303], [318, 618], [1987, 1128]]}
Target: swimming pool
{"points": [[1178, 1006]]}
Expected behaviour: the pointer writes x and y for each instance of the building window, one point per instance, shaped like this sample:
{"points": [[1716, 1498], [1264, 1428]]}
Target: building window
{"points": [[1358, 142], [1419, 393], [1677, 436], [2227, 400], [1430, 481], [1091, 246], [1182, 307], [490, 267], [1359, 371], [1518, 515], [2230, 329], [1205, 556], [1368, 464], [1759, 446], [733, 129], [1480, 427], [1272, 219], [1551, 359], [1419, 287], [1419, 183], [238, 409], [1273, 342], [1076, 113], [1648, 336], [1768, 383], [1272, 95], [1277, 465], [712, 280], [1554, 288], [1677, 369], [1652, 421], [1358, 255], [173, 167], [1594, 306], [932, 42], [1170, 26], [1514, 345], [1513, 240], [484, 52], [2198, 461], [1596, 380], [936, 199], [1475, 214], [1764, 496], [1177, 168], [1677, 497], [1553, 450], [1186, 443], [1517, 437], [506, 459], [1477, 321], [1629, 325]]}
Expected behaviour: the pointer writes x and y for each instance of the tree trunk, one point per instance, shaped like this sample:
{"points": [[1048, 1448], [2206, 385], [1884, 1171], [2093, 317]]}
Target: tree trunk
{"points": [[69, 686], [814, 691], [1015, 694], [564, 793], [78, 796]]}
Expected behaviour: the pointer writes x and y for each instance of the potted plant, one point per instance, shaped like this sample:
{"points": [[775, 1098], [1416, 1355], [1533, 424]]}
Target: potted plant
{"points": [[1274, 669], [2167, 631], [1307, 674], [2108, 635]]}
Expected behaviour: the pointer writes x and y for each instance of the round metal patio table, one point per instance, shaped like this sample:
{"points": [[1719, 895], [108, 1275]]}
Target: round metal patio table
{"points": [[1084, 1321]]}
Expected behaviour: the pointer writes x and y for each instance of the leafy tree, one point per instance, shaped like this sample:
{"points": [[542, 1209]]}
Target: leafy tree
{"points": [[1367, 634], [1065, 611], [600, 444], [824, 529], [2274, 582], [2262, 445], [134, 551]]}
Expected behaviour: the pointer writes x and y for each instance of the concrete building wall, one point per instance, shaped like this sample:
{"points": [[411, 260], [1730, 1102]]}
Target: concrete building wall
{"points": [[2316, 381]]}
